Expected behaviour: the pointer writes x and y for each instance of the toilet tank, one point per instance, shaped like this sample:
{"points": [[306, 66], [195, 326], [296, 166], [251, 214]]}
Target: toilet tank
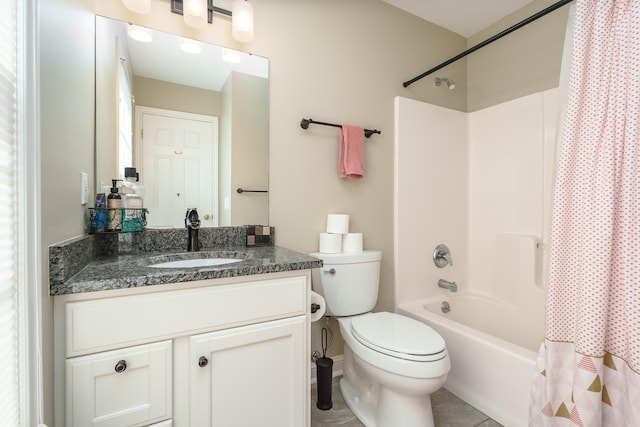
{"points": [[348, 281]]}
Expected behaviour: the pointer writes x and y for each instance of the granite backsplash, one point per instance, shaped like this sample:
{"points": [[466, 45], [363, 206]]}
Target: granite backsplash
{"points": [[69, 257]]}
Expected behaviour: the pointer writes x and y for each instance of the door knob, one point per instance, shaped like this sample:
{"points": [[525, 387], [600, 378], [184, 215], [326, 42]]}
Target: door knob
{"points": [[207, 216], [121, 366]]}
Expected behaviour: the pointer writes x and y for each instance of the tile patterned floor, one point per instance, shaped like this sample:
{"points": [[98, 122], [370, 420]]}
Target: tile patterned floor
{"points": [[448, 411]]}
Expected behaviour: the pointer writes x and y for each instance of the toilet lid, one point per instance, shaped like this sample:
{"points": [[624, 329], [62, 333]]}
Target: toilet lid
{"points": [[398, 336]]}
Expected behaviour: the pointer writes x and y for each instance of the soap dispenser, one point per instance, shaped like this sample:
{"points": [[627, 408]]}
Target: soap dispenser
{"points": [[114, 208]]}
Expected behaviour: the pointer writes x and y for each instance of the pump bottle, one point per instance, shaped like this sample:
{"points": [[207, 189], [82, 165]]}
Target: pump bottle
{"points": [[114, 208]]}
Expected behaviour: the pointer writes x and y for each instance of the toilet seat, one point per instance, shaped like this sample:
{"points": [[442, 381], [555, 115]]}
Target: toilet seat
{"points": [[398, 336]]}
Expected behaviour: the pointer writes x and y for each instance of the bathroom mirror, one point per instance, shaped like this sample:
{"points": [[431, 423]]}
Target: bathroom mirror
{"points": [[193, 125]]}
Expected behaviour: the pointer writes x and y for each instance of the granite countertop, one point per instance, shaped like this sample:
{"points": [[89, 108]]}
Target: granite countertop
{"points": [[109, 272]]}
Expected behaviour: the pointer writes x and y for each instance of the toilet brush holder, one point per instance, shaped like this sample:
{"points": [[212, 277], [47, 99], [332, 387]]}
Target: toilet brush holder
{"points": [[324, 376]]}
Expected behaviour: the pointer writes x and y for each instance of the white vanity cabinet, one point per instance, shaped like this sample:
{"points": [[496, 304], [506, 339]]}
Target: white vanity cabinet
{"points": [[215, 352], [127, 387], [258, 364]]}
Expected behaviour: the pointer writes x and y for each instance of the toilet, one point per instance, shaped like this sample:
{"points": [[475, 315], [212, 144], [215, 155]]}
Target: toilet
{"points": [[392, 363]]}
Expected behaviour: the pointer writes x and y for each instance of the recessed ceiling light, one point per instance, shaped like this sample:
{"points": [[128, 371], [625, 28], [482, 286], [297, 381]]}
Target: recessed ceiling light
{"points": [[139, 33], [230, 55], [190, 46]]}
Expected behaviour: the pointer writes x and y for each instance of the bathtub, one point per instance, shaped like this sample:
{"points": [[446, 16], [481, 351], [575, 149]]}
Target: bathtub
{"points": [[493, 348]]}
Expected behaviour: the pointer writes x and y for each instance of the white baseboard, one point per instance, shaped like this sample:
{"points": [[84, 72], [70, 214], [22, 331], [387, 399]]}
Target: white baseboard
{"points": [[338, 364]]}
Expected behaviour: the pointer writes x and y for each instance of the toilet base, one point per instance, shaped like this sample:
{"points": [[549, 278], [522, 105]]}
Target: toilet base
{"points": [[391, 410], [365, 411]]}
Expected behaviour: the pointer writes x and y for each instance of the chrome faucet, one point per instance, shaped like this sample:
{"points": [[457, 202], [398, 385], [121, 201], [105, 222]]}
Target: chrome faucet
{"points": [[442, 256], [192, 223], [448, 285]]}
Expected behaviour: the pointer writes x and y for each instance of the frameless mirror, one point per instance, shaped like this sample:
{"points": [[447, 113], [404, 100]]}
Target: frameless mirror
{"points": [[193, 125]]}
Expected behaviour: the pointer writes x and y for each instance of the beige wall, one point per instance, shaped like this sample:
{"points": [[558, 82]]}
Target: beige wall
{"points": [[171, 96], [524, 62], [250, 136], [332, 60], [66, 68], [107, 71]]}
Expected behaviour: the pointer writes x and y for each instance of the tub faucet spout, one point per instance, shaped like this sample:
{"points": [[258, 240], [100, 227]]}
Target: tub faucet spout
{"points": [[448, 285]]}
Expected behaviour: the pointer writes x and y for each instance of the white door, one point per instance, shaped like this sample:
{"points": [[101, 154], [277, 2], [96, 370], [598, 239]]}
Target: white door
{"points": [[178, 165], [250, 376], [127, 387]]}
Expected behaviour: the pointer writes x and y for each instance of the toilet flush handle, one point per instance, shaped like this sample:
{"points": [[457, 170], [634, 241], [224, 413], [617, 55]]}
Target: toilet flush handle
{"points": [[328, 270]]}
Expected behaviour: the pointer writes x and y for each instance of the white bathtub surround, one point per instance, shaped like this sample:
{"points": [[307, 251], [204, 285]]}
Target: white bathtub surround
{"points": [[484, 180], [430, 196]]}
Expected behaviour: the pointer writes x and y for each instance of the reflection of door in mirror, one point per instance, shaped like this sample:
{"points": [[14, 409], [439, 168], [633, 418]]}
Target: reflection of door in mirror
{"points": [[179, 165], [161, 75], [125, 120]]}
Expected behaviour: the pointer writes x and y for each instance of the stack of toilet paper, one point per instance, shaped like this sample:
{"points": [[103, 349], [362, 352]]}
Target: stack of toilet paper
{"points": [[337, 238]]}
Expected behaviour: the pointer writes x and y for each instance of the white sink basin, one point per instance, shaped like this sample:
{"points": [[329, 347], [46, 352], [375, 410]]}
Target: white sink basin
{"points": [[197, 262]]}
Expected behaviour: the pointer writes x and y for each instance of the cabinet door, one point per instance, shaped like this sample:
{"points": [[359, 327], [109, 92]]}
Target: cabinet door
{"points": [[127, 387], [250, 376]]}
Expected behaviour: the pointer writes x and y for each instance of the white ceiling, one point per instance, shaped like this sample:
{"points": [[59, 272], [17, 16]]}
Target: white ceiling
{"points": [[465, 17], [162, 59]]}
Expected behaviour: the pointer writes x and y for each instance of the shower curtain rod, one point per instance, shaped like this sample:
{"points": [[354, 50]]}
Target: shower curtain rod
{"points": [[490, 40]]}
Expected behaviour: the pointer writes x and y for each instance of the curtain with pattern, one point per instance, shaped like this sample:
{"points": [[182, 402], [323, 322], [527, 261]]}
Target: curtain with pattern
{"points": [[588, 368]]}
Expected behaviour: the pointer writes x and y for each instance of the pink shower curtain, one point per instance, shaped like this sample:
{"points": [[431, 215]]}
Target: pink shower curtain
{"points": [[588, 368]]}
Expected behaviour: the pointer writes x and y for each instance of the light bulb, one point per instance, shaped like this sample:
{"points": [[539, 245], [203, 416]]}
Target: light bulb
{"points": [[138, 6], [195, 13], [242, 21]]}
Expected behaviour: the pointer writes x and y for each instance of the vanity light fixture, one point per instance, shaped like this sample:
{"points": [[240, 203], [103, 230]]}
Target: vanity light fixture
{"points": [[195, 13], [242, 22], [198, 12], [190, 46], [138, 6], [142, 34]]}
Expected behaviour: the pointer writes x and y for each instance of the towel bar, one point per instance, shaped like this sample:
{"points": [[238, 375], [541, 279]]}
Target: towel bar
{"points": [[241, 190], [304, 124]]}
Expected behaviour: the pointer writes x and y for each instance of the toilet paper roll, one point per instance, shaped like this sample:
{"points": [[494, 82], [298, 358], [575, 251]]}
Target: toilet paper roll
{"points": [[352, 242], [330, 243], [317, 299], [338, 223]]}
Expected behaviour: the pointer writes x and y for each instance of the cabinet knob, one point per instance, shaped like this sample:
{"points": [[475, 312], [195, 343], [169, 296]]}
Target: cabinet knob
{"points": [[121, 366], [203, 361]]}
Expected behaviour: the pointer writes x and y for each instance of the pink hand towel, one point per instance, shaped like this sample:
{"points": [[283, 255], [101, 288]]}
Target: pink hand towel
{"points": [[351, 154]]}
